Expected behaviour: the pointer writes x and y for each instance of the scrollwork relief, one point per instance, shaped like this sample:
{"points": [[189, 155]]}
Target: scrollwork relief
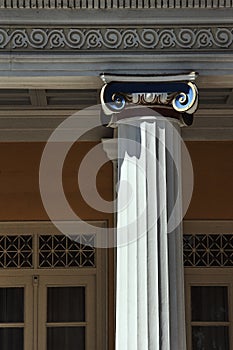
{"points": [[112, 39]]}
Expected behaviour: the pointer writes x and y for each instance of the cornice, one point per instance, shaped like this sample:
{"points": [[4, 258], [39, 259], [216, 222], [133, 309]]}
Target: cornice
{"points": [[151, 39]]}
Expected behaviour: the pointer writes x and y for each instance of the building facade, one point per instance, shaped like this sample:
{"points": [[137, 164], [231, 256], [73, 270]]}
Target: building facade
{"points": [[64, 291]]}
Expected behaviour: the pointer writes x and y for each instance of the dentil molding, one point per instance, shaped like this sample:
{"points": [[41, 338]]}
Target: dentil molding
{"points": [[112, 4]]}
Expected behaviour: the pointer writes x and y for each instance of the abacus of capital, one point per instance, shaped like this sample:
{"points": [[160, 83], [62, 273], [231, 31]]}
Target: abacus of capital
{"points": [[148, 112]]}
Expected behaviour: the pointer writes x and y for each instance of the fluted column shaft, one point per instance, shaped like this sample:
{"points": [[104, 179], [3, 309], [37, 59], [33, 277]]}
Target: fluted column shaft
{"points": [[150, 294]]}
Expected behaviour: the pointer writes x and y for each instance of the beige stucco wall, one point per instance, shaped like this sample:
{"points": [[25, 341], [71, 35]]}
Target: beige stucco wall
{"points": [[213, 186]]}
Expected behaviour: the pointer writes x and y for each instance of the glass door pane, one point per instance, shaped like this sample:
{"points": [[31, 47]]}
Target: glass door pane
{"points": [[11, 305], [209, 304], [12, 314], [210, 338], [209, 317], [62, 338], [11, 338], [66, 318], [66, 304]]}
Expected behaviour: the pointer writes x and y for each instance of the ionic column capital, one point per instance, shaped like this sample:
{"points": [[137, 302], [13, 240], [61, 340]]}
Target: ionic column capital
{"points": [[174, 96]]}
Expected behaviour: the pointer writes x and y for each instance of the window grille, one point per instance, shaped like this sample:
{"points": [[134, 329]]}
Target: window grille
{"points": [[61, 251], [208, 250], [49, 251], [16, 251]]}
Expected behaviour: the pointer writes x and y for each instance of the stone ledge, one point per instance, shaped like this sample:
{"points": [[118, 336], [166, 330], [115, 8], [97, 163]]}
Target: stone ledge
{"points": [[116, 17]]}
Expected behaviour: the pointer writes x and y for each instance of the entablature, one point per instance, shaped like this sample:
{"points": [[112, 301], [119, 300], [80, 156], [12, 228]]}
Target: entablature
{"points": [[113, 30]]}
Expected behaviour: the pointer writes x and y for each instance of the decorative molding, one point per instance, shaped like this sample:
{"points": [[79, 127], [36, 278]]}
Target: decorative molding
{"points": [[105, 39], [113, 4]]}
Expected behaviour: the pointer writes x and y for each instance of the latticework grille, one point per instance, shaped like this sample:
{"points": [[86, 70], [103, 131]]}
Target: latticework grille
{"points": [[208, 250], [16, 251], [54, 251], [60, 251]]}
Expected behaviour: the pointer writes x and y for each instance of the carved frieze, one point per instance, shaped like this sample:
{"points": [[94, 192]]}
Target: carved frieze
{"points": [[116, 39]]}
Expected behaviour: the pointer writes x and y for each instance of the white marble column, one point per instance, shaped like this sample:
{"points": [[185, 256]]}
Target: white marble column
{"points": [[150, 306], [150, 296]]}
